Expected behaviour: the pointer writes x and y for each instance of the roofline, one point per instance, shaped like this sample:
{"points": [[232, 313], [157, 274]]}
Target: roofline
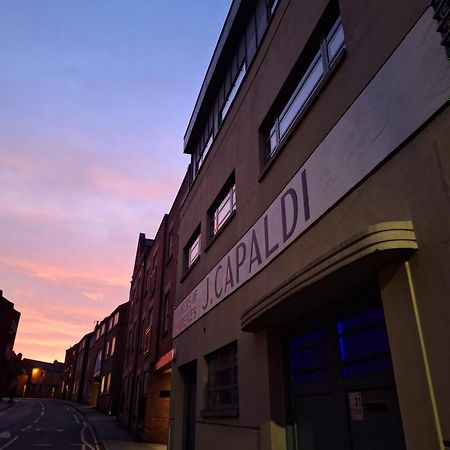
{"points": [[223, 37]]}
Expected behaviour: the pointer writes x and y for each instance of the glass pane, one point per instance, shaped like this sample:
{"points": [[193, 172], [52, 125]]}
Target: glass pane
{"points": [[364, 343], [335, 43], [363, 319], [301, 97], [368, 367], [309, 358], [307, 338], [233, 91], [317, 376]]}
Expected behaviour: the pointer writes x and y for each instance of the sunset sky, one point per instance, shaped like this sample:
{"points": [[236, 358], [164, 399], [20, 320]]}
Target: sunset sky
{"points": [[95, 97]]}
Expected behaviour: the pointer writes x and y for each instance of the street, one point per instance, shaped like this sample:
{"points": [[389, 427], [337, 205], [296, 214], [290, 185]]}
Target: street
{"points": [[44, 423]]}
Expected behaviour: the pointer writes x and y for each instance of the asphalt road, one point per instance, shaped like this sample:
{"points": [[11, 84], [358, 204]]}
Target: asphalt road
{"points": [[45, 423]]}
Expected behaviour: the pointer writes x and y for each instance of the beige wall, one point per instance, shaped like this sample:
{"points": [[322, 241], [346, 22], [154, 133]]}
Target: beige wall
{"points": [[412, 184]]}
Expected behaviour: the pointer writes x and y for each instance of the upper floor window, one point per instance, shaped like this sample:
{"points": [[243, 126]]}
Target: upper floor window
{"points": [[223, 207], [170, 243], [192, 249], [330, 45], [232, 93], [166, 314], [233, 70]]}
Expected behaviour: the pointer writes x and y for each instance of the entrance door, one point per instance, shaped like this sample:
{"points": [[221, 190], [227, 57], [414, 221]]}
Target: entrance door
{"points": [[342, 390], [190, 402]]}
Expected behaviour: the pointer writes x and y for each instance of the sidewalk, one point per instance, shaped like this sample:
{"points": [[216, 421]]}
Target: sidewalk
{"points": [[110, 432]]}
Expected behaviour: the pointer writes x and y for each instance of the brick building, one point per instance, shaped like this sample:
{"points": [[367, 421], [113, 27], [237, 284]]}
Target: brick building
{"points": [[148, 359], [44, 379], [312, 295], [9, 321], [101, 384]]}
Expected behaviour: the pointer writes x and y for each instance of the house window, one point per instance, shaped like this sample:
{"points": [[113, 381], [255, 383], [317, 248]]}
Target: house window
{"points": [[166, 313], [102, 385], [232, 93], [98, 363], [192, 249], [223, 207], [116, 319], [223, 391], [107, 349], [147, 337], [170, 244], [108, 382], [113, 345], [330, 45]]}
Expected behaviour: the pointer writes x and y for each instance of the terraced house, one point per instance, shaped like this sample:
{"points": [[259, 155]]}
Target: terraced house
{"points": [[312, 297]]}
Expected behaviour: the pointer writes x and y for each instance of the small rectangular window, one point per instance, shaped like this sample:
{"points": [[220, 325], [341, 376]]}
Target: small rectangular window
{"points": [[223, 390], [192, 250], [223, 207]]}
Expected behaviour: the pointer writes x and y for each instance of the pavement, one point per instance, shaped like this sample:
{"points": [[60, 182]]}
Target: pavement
{"points": [[112, 435]]}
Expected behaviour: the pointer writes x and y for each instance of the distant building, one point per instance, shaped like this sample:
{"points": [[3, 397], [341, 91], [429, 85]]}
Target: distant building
{"points": [[9, 321], [101, 383], [312, 307], [44, 379], [69, 372], [149, 354]]}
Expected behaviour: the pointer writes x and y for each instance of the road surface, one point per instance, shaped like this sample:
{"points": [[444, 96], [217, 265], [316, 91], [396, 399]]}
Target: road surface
{"points": [[45, 423]]}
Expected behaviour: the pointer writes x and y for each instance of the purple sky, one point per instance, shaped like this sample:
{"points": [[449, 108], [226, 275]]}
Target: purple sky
{"points": [[95, 98]]}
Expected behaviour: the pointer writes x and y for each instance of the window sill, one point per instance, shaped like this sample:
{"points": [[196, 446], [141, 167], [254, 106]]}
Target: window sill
{"points": [[188, 270], [224, 412], [270, 161], [219, 231]]}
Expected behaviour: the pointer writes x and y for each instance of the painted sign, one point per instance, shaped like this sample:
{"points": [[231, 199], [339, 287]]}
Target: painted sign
{"points": [[412, 85]]}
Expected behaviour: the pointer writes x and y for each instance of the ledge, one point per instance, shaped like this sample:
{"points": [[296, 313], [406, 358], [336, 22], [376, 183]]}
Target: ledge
{"points": [[335, 273]]}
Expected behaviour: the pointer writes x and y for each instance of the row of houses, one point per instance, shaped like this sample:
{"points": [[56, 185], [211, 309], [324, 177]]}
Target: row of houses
{"points": [[296, 295]]}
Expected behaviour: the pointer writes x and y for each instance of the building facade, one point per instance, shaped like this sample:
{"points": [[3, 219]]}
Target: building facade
{"points": [[101, 384], [43, 379], [312, 296], [149, 354], [9, 321]]}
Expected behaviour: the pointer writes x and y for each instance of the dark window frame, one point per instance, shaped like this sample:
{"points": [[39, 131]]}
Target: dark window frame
{"points": [[216, 385], [226, 196], [316, 51]]}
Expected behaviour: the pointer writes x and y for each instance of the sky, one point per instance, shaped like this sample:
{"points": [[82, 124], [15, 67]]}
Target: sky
{"points": [[95, 97]]}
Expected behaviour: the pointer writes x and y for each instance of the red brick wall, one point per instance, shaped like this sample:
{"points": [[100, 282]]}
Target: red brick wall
{"points": [[157, 409]]}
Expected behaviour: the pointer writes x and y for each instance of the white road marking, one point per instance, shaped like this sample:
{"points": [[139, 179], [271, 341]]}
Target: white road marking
{"points": [[75, 417], [5, 435], [26, 428], [9, 443], [60, 431]]}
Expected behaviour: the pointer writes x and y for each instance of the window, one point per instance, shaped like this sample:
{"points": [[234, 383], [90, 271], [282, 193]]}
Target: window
{"points": [[170, 244], [108, 382], [102, 385], [148, 333], [192, 249], [113, 345], [223, 207], [236, 83], [223, 392], [166, 312], [107, 349], [116, 319], [238, 60], [98, 363], [330, 45]]}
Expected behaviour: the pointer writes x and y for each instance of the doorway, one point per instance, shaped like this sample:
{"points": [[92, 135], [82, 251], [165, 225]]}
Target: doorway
{"points": [[342, 391], [189, 373]]}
